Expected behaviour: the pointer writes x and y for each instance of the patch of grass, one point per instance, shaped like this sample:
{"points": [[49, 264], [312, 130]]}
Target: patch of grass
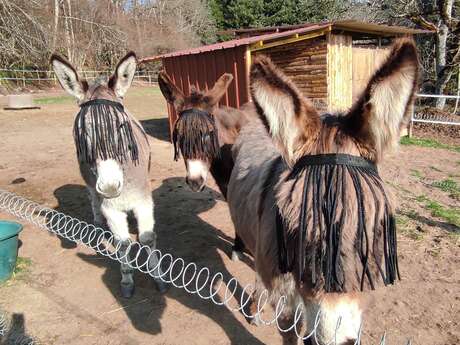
{"points": [[416, 173], [54, 100], [428, 143], [22, 266], [20, 270], [421, 198], [145, 91], [450, 215], [404, 226], [449, 186]]}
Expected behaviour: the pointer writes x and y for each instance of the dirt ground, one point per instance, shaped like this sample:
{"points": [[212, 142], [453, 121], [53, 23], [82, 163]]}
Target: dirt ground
{"points": [[69, 295]]}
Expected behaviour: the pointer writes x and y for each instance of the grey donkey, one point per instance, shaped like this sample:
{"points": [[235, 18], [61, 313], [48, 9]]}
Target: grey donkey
{"points": [[114, 158]]}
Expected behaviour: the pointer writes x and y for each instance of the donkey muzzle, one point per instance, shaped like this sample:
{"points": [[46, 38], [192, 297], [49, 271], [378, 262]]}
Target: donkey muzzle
{"points": [[109, 182], [109, 190], [196, 184]]}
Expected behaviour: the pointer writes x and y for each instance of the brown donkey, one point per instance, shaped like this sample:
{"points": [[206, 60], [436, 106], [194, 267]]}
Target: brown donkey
{"points": [[204, 134], [306, 198]]}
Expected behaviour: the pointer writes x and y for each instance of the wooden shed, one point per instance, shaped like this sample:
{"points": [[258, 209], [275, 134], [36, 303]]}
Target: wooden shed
{"points": [[329, 62]]}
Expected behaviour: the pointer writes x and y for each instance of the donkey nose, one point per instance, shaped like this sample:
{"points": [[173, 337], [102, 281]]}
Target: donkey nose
{"points": [[196, 184], [109, 190]]}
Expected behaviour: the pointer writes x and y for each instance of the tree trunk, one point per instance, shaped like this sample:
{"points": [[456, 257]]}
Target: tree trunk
{"points": [[56, 24], [441, 52]]}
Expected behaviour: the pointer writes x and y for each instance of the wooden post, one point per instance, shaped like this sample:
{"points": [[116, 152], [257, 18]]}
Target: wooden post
{"points": [[339, 72], [248, 69]]}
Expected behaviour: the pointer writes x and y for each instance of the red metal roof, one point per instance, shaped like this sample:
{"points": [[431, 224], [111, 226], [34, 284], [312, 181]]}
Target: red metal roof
{"points": [[238, 42], [345, 25]]}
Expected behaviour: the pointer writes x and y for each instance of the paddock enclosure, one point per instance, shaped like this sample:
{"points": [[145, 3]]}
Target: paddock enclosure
{"points": [[331, 62], [67, 294]]}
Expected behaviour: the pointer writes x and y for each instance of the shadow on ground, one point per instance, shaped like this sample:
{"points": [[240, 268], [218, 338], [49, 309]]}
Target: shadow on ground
{"points": [[157, 128], [15, 332], [181, 232], [432, 222]]}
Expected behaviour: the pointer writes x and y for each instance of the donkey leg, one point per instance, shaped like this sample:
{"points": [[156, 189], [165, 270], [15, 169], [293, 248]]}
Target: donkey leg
{"points": [[254, 306], [147, 236], [96, 202], [286, 321], [237, 249], [118, 224]]}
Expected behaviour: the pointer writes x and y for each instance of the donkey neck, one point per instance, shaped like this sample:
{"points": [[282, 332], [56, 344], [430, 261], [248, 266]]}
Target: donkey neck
{"points": [[228, 123]]}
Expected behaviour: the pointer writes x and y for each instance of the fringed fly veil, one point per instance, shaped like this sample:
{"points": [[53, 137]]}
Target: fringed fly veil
{"points": [[195, 135], [103, 130], [314, 250]]}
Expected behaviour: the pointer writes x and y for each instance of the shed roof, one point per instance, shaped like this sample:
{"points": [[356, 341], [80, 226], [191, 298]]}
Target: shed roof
{"points": [[345, 25]]}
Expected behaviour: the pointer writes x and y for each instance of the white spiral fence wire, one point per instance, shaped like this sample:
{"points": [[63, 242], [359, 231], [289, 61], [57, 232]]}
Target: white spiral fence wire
{"points": [[3, 325], [175, 271]]}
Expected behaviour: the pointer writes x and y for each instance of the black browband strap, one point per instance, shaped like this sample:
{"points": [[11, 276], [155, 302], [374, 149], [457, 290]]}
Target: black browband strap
{"points": [[102, 101], [194, 111], [332, 159]]}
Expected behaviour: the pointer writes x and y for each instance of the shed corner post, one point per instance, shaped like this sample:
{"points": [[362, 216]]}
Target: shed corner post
{"points": [[339, 71], [248, 61]]}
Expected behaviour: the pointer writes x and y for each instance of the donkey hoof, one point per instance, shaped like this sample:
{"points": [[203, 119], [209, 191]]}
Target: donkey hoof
{"points": [[148, 238], [236, 256], [127, 291], [161, 287], [255, 321]]}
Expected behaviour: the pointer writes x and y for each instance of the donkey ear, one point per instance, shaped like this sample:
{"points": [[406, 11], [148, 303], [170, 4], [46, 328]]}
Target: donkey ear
{"points": [[121, 80], [214, 95], [288, 116], [68, 77], [387, 102], [169, 90]]}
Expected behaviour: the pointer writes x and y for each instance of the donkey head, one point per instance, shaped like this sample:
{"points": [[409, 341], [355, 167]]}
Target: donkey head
{"points": [[369, 129], [102, 130], [195, 133], [332, 199]]}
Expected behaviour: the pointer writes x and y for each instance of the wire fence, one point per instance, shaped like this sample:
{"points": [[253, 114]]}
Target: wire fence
{"points": [[26, 77], [175, 271], [424, 115]]}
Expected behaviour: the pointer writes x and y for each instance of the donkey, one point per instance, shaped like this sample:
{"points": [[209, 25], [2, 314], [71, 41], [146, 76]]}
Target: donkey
{"points": [[306, 198], [114, 157], [204, 134]]}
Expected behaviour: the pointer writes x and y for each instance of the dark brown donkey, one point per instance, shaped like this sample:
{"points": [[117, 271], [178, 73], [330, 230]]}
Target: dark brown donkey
{"points": [[204, 134], [307, 200]]}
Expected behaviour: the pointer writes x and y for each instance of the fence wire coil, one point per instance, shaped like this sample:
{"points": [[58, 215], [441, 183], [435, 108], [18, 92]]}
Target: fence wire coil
{"points": [[175, 271]]}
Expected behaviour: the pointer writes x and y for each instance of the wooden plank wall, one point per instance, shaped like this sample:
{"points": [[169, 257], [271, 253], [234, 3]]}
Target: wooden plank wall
{"points": [[305, 62], [366, 59], [339, 72]]}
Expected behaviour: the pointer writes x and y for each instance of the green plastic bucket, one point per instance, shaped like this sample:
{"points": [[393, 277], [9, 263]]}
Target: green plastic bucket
{"points": [[9, 232]]}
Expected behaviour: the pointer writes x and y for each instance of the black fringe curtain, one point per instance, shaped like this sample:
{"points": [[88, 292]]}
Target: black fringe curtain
{"points": [[324, 186], [103, 130], [195, 135]]}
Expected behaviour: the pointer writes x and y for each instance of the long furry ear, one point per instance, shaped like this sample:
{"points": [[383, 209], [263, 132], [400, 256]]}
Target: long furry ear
{"points": [[213, 96], [170, 91], [123, 76], [289, 117], [68, 77], [387, 102]]}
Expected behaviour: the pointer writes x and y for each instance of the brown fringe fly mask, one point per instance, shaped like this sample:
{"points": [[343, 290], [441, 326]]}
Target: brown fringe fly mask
{"points": [[317, 244], [103, 130], [195, 135]]}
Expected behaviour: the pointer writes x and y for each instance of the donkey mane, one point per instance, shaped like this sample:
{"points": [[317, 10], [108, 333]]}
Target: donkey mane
{"points": [[313, 248], [195, 135], [103, 130]]}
